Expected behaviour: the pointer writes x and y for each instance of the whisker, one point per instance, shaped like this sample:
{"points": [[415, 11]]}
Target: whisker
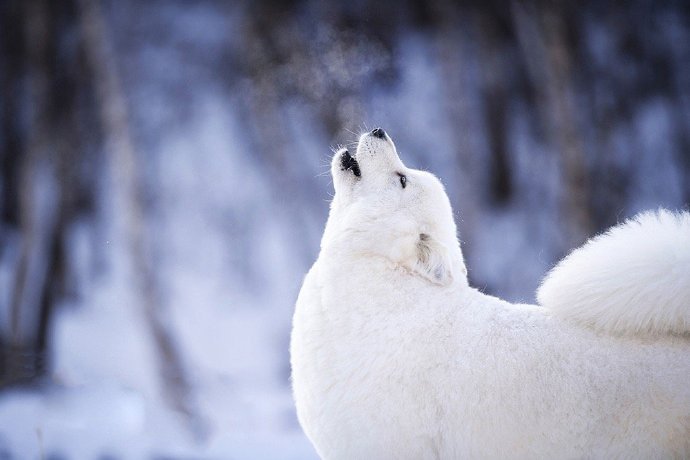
{"points": [[351, 132]]}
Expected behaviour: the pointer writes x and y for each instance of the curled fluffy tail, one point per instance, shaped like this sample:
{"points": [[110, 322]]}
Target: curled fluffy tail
{"points": [[635, 278]]}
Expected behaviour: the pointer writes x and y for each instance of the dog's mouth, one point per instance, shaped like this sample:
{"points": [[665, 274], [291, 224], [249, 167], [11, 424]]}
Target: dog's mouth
{"points": [[349, 163]]}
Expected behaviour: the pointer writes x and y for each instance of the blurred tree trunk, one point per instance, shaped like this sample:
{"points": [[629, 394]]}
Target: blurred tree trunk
{"points": [[682, 127], [123, 162], [11, 72], [492, 60], [677, 42], [37, 195], [453, 60], [11, 149], [38, 177], [541, 34]]}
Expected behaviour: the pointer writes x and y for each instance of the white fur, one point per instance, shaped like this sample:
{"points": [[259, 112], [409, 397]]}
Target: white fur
{"points": [[633, 279], [394, 356]]}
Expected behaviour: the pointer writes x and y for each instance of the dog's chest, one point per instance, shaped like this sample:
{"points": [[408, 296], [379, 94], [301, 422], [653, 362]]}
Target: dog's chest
{"points": [[361, 358]]}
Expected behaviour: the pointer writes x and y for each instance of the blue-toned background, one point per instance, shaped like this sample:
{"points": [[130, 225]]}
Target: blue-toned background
{"points": [[164, 184]]}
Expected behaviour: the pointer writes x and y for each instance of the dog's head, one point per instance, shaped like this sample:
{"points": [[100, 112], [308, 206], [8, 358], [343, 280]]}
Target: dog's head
{"points": [[383, 208]]}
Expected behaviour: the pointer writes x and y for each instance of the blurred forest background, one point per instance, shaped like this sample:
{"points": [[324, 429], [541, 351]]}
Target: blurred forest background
{"points": [[163, 185]]}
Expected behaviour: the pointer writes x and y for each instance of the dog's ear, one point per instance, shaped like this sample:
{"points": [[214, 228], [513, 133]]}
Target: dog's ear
{"points": [[433, 261]]}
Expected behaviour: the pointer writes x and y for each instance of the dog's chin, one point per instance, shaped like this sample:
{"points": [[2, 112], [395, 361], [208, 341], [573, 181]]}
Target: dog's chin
{"points": [[349, 163]]}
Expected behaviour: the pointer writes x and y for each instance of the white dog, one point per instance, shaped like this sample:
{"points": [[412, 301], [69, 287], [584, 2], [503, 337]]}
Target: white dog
{"points": [[394, 356]]}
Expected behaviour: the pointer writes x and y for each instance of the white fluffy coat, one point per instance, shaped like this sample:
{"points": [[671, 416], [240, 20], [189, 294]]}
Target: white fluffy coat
{"points": [[633, 279], [394, 356]]}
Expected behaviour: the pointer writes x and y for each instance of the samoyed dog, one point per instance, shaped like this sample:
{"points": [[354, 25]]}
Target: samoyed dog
{"points": [[395, 356]]}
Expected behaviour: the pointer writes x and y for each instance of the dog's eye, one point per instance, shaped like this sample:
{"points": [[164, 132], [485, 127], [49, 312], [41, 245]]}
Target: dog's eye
{"points": [[403, 180]]}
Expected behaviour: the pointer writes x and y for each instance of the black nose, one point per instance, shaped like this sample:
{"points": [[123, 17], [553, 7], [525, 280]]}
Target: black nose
{"points": [[378, 132]]}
